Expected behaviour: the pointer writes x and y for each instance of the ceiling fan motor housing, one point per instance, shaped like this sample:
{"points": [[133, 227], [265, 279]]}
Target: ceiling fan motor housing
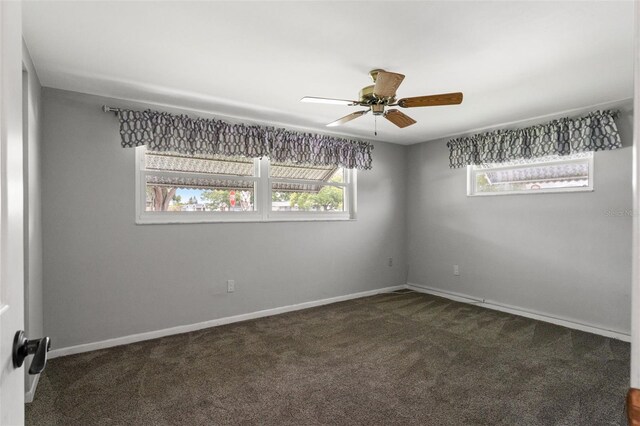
{"points": [[366, 94], [367, 97]]}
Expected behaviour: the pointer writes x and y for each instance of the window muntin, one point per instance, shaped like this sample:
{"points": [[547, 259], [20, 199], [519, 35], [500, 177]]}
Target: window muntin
{"points": [[173, 188], [542, 175]]}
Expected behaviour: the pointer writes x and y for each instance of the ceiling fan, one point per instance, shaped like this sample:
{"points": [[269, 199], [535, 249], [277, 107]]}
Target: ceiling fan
{"points": [[382, 94]]}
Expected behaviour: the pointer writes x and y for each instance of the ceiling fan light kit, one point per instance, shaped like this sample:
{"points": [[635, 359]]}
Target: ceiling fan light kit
{"points": [[382, 94], [377, 109]]}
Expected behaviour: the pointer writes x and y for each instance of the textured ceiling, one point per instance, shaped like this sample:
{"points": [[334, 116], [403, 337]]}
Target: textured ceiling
{"points": [[255, 60]]}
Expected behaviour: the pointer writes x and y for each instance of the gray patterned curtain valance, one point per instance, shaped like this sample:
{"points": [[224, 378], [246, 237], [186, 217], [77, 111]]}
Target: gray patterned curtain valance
{"points": [[308, 148], [596, 131], [161, 132]]}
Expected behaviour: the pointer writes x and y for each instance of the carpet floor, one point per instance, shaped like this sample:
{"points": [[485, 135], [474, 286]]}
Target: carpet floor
{"points": [[396, 358]]}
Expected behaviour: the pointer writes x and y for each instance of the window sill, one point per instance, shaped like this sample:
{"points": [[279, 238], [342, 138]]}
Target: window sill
{"points": [[531, 192], [155, 220]]}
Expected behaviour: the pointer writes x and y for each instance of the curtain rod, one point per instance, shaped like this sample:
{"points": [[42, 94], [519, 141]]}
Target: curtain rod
{"points": [[107, 108]]}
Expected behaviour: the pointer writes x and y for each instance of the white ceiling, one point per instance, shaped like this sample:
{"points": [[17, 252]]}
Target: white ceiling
{"points": [[255, 60]]}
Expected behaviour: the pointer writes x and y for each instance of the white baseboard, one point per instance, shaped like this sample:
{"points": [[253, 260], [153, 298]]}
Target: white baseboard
{"points": [[30, 393], [55, 353], [565, 322], [87, 347]]}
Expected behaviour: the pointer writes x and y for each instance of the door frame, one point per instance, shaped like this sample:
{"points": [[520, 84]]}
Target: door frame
{"points": [[635, 288], [11, 211]]}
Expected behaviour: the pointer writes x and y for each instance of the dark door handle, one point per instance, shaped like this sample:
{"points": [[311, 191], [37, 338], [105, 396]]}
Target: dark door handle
{"points": [[22, 348]]}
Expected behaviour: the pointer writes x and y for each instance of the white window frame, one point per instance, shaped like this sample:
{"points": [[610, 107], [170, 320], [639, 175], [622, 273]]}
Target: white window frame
{"points": [[472, 171], [262, 198]]}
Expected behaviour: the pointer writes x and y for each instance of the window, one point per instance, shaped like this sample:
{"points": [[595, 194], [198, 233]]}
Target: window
{"points": [[533, 176], [311, 189], [174, 188]]}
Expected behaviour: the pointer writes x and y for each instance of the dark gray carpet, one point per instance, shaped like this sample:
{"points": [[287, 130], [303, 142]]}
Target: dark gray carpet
{"points": [[388, 359]]}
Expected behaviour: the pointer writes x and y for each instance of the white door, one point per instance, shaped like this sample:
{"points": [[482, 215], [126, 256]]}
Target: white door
{"points": [[11, 211]]}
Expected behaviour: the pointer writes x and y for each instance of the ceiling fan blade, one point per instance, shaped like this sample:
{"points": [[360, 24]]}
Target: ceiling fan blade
{"points": [[313, 99], [387, 83], [399, 118], [347, 118], [432, 100]]}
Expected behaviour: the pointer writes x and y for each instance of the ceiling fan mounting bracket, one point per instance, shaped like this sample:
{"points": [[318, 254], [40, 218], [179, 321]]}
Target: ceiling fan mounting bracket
{"points": [[374, 74]]}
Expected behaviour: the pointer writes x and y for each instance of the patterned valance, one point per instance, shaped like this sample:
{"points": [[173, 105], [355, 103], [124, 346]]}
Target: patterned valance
{"points": [[163, 132], [308, 148], [596, 131]]}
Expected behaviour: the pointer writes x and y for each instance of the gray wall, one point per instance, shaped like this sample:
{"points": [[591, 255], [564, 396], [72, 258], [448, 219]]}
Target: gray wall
{"points": [[555, 254], [107, 277], [32, 117]]}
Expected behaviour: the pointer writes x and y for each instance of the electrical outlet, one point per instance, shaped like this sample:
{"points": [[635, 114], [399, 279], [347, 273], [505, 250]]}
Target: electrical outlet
{"points": [[390, 261], [456, 270], [231, 286]]}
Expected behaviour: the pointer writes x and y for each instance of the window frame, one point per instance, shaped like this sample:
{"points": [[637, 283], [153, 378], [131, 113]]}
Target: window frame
{"points": [[262, 196], [473, 170]]}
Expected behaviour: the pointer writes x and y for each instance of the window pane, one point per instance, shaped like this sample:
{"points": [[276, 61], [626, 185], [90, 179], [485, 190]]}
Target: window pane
{"points": [[533, 177], [306, 172], [179, 194], [308, 198], [237, 166]]}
